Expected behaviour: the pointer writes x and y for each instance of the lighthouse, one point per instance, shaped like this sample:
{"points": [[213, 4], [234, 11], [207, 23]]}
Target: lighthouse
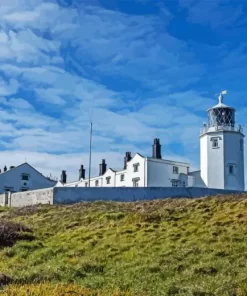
{"points": [[222, 149]]}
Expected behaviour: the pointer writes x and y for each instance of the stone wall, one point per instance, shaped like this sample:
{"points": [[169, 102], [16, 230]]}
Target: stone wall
{"points": [[28, 198], [3, 199], [70, 195]]}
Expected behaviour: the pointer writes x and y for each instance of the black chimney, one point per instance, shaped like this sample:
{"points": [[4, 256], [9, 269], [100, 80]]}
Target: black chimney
{"points": [[102, 167], [5, 169], [157, 149], [63, 177], [81, 173], [126, 159]]}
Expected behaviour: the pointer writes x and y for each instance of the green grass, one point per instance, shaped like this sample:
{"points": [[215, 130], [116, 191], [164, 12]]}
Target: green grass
{"points": [[164, 247]]}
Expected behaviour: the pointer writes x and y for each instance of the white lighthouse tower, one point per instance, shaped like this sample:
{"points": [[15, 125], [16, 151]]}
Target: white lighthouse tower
{"points": [[222, 149]]}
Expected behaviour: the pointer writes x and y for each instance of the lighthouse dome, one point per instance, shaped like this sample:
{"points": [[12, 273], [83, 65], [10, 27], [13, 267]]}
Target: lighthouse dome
{"points": [[221, 115]]}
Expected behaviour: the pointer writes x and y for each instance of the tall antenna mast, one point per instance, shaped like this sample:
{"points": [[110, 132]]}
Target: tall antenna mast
{"points": [[90, 151]]}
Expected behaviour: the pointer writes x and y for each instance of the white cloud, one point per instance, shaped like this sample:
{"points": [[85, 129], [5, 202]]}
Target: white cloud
{"points": [[217, 13], [8, 88]]}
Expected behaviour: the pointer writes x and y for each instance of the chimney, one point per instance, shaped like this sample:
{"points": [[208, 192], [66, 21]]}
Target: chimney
{"points": [[102, 167], [81, 173], [126, 159], [5, 169], [157, 149], [63, 177]]}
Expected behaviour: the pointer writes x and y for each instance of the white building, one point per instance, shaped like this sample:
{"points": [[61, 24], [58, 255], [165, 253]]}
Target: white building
{"points": [[22, 178], [221, 161], [138, 171], [222, 149]]}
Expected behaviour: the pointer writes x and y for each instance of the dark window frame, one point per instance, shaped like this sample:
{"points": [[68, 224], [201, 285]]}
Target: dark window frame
{"points": [[136, 167], [215, 142], [231, 169], [174, 183], [241, 144], [135, 182], [25, 177]]}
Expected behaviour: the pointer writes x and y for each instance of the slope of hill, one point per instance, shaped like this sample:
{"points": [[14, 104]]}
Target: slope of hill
{"points": [[163, 247]]}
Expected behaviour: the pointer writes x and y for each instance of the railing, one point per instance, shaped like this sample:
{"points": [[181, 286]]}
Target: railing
{"points": [[221, 128]]}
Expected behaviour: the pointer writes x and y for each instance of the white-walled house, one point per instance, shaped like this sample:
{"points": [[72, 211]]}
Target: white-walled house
{"points": [[23, 178], [140, 171]]}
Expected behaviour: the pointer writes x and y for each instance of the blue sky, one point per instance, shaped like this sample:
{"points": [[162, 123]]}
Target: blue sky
{"points": [[143, 69]]}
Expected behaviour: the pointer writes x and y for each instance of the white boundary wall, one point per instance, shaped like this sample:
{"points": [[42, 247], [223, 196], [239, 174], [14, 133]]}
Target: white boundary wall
{"points": [[29, 198], [71, 195]]}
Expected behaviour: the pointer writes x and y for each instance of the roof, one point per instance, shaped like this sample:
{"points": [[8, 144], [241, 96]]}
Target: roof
{"points": [[221, 105], [167, 160], [191, 173], [48, 179]]}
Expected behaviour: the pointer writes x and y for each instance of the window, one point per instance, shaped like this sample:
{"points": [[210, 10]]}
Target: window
{"points": [[231, 169], [121, 178], [136, 167], [183, 184], [25, 177], [174, 183], [97, 183], [241, 144], [86, 184], [215, 143], [108, 180], [175, 170], [136, 182]]}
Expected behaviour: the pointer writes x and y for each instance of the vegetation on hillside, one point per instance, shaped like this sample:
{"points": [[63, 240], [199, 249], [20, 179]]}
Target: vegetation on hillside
{"points": [[194, 247]]}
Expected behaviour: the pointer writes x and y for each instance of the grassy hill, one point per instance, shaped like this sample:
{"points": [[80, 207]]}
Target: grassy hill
{"points": [[163, 247]]}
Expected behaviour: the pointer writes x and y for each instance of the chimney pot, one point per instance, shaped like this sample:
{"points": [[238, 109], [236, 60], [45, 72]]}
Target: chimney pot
{"points": [[102, 167], [81, 173], [63, 177], [157, 149], [126, 159]]}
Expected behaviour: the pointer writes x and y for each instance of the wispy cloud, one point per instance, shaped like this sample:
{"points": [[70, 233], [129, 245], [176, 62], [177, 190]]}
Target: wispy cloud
{"points": [[217, 13]]}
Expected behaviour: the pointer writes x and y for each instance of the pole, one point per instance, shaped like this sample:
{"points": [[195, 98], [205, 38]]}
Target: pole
{"points": [[90, 150]]}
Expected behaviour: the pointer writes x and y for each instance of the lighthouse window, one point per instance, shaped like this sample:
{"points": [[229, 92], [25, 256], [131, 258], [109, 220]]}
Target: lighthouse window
{"points": [[215, 142], [231, 169], [241, 144]]}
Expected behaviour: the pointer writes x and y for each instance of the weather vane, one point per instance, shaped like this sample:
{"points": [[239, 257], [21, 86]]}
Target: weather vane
{"points": [[224, 92]]}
